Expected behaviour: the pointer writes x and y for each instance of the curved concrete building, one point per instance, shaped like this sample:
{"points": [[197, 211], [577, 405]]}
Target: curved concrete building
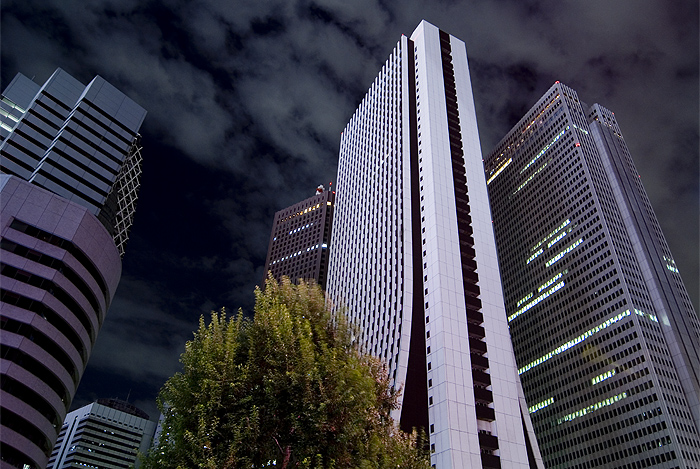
{"points": [[70, 160], [60, 269]]}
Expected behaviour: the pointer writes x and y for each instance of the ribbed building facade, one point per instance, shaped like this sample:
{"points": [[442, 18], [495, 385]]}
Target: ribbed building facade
{"points": [[413, 259], [80, 142], [70, 166], [107, 434], [300, 237], [605, 336]]}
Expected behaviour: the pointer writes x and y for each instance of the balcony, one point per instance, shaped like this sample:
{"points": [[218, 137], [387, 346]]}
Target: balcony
{"points": [[483, 395], [487, 441], [485, 413], [468, 251], [473, 304], [479, 362], [490, 461], [481, 378], [475, 331], [471, 290], [468, 264], [477, 346]]}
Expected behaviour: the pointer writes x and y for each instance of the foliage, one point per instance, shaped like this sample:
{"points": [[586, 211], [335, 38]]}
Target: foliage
{"points": [[285, 389]]}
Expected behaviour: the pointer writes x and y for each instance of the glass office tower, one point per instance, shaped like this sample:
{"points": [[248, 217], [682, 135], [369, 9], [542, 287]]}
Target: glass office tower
{"points": [[605, 336], [413, 257]]}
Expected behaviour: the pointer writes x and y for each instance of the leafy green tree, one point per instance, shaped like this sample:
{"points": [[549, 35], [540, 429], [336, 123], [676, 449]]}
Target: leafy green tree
{"points": [[285, 389]]}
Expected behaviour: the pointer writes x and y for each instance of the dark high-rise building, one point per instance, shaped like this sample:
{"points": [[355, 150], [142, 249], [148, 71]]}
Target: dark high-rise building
{"points": [[70, 164], [300, 237], [605, 336], [413, 257]]}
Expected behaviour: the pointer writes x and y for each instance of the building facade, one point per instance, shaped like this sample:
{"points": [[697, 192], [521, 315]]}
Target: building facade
{"points": [[70, 164], [300, 237], [80, 142], [107, 434], [605, 336], [413, 259]]}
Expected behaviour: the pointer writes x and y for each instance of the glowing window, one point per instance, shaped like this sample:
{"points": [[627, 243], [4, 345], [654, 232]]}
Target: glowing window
{"points": [[575, 341]]}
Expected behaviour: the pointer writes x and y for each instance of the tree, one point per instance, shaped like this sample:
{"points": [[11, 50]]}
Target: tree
{"points": [[288, 388]]}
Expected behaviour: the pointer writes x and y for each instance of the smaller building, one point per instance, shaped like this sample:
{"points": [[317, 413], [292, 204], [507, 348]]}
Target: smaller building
{"points": [[300, 239], [109, 433]]}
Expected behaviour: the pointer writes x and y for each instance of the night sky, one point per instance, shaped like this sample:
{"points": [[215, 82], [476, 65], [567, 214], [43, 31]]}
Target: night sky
{"points": [[246, 101]]}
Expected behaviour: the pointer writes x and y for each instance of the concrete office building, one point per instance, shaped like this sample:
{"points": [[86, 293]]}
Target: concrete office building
{"points": [[300, 237], [70, 161], [413, 257], [605, 336], [107, 434]]}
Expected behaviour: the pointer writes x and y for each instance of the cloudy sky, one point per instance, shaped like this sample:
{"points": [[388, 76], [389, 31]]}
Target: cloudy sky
{"points": [[246, 101]]}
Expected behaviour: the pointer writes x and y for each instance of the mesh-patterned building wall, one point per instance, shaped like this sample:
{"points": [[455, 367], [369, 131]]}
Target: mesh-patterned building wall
{"points": [[608, 362]]}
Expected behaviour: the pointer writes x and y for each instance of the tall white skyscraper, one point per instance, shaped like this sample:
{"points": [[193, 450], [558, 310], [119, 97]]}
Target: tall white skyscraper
{"points": [[413, 257]]}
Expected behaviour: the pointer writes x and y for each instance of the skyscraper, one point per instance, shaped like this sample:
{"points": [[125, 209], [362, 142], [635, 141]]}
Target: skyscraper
{"points": [[80, 142], [71, 164], [299, 240], [413, 257], [107, 433], [605, 336]]}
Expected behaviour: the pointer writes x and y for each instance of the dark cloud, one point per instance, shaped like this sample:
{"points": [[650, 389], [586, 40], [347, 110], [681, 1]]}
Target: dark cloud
{"points": [[246, 102]]}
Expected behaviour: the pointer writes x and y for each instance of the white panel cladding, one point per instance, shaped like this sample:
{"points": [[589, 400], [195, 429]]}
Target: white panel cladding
{"points": [[505, 383], [452, 412], [369, 274]]}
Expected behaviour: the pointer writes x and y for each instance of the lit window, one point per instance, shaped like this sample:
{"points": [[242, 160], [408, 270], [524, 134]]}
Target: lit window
{"points": [[546, 147], [603, 377], [540, 405], [499, 170], [564, 347], [592, 408], [563, 253]]}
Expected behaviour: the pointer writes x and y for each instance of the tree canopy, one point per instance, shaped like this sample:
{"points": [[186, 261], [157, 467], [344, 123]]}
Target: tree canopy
{"points": [[287, 388]]}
